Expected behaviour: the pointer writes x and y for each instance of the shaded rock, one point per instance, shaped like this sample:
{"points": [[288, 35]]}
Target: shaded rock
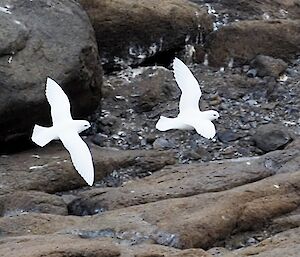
{"points": [[152, 88], [271, 137], [268, 66], [49, 169], [228, 136], [286, 243], [40, 39], [151, 27], [276, 38], [162, 143], [228, 11], [31, 201]]}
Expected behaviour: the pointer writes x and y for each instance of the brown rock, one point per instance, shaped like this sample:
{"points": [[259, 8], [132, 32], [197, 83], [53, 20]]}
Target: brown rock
{"points": [[152, 88], [50, 169], [268, 66], [195, 221], [66, 245], [127, 32], [276, 38], [256, 10], [57, 246], [186, 180], [31, 201]]}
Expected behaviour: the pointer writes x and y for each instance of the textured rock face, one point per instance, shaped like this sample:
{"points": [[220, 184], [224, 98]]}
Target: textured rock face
{"points": [[128, 32], [276, 38], [61, 246], [39, 39], [255, 10], [41, 165], [170, 194], [271, 137], [31, 201], [268, 66], [175, 211]]}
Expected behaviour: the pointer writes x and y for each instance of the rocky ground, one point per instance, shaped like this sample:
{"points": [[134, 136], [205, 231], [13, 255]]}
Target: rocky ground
{"points": [[156, 193]]}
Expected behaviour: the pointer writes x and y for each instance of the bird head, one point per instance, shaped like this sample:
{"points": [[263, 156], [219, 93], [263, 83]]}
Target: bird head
{"points": [[82, 125], [212, 115]]}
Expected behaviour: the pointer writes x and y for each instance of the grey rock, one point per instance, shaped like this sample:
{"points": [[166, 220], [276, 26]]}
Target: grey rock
{"points": [[162, 143], [271, 137], [39, 39], [228, 136], [251, 73]]}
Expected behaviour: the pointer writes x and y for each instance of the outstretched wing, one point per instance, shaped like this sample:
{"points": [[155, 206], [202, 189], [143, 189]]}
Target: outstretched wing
{"points": [[80, 155], [188, 85], [59, 102], [205, 128]]}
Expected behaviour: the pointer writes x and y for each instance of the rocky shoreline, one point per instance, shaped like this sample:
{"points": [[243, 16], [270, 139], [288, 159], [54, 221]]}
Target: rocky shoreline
{"points": [[156, 194]]}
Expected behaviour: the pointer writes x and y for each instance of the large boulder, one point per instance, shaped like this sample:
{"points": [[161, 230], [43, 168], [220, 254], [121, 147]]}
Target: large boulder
{"points": [[130, 31], [241, 41], [38, 39], [253, 10]]}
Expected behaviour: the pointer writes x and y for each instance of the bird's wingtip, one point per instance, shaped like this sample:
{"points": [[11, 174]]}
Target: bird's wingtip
{"points": [[49, 80], [176, 60], [90, 182], [89, 178]]}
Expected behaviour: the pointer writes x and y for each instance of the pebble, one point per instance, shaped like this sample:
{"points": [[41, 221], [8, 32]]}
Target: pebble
{"points": [[162, 143]]}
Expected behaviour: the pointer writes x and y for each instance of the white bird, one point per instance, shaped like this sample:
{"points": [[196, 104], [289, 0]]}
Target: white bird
{"points": [[66, 129], [189, 117]]}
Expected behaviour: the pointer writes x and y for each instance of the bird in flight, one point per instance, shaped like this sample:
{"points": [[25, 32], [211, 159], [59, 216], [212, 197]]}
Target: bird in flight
{"points": [[67, 130], [189, 117]]}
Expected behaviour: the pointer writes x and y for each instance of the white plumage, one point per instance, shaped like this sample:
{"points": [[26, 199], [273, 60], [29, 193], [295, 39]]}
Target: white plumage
{"points": [[190, 116], [67, 130]]}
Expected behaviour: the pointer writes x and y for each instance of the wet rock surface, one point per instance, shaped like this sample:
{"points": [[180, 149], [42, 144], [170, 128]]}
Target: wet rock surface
{"points": [[170, 193]]}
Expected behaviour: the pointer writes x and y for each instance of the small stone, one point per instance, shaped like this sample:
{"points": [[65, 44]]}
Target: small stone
{"points": [[162, 143], [228, 136], [251, 73], [271, 137]]}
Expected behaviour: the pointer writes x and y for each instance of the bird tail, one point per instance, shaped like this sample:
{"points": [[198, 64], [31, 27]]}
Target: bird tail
{"points": [[165, 123], [42, 135]]}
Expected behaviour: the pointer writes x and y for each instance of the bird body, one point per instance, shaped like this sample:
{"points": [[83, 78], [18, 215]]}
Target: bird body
{"points": [[190, 116], [67, 130]]}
